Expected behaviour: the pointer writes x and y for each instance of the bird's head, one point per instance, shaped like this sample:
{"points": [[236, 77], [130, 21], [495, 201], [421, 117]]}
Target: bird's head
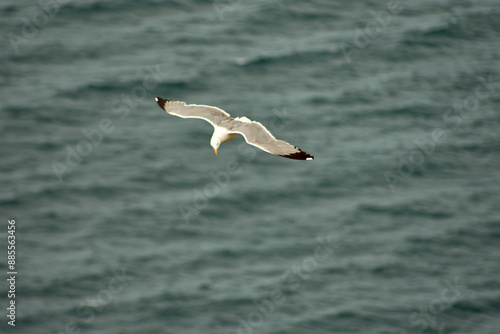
{"points": [[215, 144]]}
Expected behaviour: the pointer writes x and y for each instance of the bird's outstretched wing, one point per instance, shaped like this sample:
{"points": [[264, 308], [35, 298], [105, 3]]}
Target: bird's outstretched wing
{"points": [[213, 115], [257, 135]]}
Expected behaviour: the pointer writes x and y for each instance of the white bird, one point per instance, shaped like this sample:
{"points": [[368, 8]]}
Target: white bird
{"points": [[227, 128]]}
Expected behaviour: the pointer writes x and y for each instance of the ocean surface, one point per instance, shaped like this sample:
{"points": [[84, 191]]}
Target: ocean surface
{"points": [[127, 222]]}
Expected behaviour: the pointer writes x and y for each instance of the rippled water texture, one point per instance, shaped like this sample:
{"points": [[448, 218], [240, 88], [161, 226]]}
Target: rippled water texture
{"points": [[127, 222]]}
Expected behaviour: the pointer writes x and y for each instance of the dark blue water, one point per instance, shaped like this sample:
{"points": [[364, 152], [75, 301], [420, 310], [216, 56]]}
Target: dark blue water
{"points": [[127, 222]]}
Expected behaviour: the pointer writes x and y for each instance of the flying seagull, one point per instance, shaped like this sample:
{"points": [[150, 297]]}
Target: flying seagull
{"points": [[227, 128]]}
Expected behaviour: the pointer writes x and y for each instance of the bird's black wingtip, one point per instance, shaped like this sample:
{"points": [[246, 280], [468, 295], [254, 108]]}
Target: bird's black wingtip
{"points": [[300, 155], [162, 102]]}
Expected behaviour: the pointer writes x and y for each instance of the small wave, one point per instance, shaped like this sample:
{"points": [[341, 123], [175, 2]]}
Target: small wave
{"points": [[119, 87], [9, 9], [289, 56], [409, 210], [469, 26], [480, 305]]}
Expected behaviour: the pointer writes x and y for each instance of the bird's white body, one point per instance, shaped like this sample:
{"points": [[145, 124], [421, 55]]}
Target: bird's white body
{"points": [[221, 135]]}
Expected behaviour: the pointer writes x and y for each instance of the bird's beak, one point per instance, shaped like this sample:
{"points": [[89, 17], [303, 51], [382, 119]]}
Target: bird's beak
{"points": [[215, 151]]}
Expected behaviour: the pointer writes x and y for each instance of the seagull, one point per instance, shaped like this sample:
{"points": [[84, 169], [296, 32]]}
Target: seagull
{"points": [[227, 128]]}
